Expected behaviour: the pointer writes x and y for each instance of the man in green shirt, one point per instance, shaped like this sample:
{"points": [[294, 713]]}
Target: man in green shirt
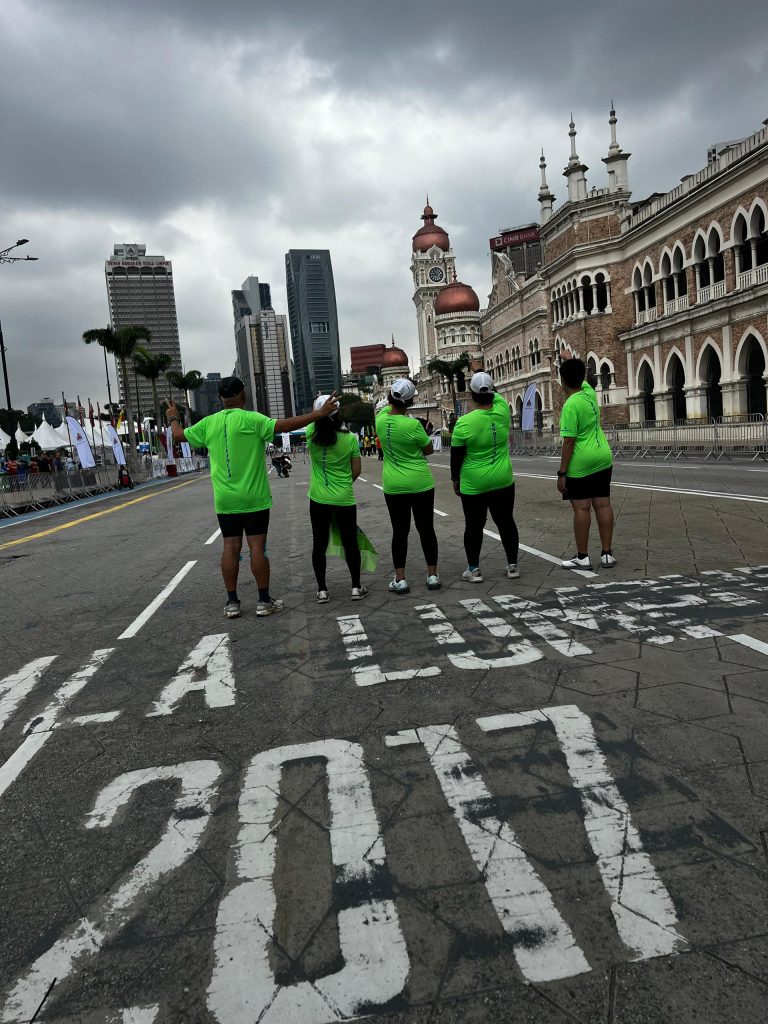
{"points": [[586, 465], [236, 440]]}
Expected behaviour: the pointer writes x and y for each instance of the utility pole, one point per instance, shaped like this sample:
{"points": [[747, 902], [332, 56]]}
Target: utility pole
{"points": [[5, 258]]}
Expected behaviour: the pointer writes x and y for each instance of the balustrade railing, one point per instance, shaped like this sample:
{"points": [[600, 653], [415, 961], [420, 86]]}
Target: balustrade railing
{"points": [[761, 274], [746, 279]]}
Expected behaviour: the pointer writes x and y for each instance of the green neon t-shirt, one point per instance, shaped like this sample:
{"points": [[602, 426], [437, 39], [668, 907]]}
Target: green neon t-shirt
{"points": [[235, 440], [580, 418], [484, 433], [403, 440], [331, 468]]}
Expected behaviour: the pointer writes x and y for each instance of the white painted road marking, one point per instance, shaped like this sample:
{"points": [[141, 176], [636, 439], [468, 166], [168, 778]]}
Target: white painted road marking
{"points": [[641, 906], [376, 965], [362, 479], [152, 607], [750, 641], [445, 634], [113, 911], [208, 668], [39, 730], [663, 488], [543, 555], [439, 513], [355, 641], [378, 487], [544, 946], [15, 687], [213, 537]]}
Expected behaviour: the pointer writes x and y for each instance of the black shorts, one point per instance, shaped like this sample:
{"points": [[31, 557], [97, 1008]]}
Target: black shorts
{"points": [[252, 524], [596, 485]]}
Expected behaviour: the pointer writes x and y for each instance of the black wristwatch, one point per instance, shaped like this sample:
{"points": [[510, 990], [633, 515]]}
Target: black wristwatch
{"points": [[173, 419], [562, 472]]}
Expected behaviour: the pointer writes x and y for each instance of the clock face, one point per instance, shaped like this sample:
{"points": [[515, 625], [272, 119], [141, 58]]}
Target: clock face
{"points": [[436, 275]]}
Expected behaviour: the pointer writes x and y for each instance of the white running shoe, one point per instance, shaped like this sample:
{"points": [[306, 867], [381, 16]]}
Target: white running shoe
{"points": [[607, 561], [269, 607], [576, 563], [473, 575], [433, 582], [399, 587], [358, 593], [323, 597], [513, 573], [232, 610]]}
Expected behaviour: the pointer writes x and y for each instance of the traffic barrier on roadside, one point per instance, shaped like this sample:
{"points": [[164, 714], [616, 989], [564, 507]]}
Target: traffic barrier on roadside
{"points": [[32, 492]]}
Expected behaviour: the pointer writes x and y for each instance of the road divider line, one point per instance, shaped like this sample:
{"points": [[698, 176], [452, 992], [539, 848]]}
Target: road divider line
{"points": [[362, 478], [544, 555], [663, 489], [152, 607], [749, 641], [439, 513], [378, 487], [94, 515], [213, 537]]}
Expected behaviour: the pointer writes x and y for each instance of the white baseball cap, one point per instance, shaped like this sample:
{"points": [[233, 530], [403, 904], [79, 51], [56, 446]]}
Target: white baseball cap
{"points": [[481, 383], [320, 402], [403, 389]]}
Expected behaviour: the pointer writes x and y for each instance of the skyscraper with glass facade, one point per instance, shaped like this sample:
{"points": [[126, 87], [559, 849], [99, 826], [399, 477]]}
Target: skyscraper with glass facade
{"points": [[314, 324]]}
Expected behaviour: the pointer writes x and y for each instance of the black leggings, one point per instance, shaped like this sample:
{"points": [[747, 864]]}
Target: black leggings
{"points": [[400, 507], [501, 505], [321, 517]]}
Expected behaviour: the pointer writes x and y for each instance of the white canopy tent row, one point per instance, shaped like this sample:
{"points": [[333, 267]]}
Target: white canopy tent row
{"points": [[46, 437], [21, 437], [5, 439]]}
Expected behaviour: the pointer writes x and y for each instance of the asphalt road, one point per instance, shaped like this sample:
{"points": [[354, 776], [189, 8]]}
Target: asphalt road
{"points": [[540, 800]]}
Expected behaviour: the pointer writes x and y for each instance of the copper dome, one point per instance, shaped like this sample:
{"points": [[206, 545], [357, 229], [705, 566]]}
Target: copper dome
{"points": [[430, 234], [456, 298], [394, 356]]}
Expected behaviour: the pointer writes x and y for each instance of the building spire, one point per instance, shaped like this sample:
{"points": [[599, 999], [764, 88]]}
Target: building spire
{"points": [[612, 120], [575, 172], [617, 160], [546, 198], [574, 156]]}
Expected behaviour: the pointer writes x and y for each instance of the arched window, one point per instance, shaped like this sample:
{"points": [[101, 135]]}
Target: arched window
{"points": [[592, 372], [667, 282], [646, 390], [649, 287], [753, 362], [601, 293], [605, 381], [639, 295], [678, 258], [758, 237], [588, 294], [676, 385], [742, 250], [715, 257], [536, 355], [711, 372], [518, 412]]}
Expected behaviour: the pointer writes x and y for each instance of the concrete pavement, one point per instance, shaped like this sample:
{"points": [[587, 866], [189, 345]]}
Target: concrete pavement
{"points": [[537, 800]]}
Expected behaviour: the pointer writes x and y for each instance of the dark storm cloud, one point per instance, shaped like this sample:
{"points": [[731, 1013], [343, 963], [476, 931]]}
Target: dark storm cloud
{"points": [[223, 134]]}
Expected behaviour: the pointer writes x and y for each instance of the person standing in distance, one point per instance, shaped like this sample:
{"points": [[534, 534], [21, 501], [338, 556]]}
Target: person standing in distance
{"points": [[236, 440], [409, 488], [334, 455], [586, 464], [481, 471]]}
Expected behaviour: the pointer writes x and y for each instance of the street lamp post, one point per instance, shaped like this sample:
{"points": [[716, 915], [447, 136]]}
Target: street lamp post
{"points": [[5, 258]]}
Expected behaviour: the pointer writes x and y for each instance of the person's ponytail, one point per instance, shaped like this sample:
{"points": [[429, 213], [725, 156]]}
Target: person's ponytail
{"points": [[326, 430]]}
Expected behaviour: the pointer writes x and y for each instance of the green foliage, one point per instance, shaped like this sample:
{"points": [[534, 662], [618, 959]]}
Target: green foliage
{"points": [[189, 381], [150, 365], [354, 411]]}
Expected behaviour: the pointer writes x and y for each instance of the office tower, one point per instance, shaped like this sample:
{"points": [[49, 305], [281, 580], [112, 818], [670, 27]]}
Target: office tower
{"points": [[366, 358], [314, 324], [205, 400], [140, 291], [263, 360]]}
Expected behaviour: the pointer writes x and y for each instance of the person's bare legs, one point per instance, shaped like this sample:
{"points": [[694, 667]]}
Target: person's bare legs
{"points": [[604, 517], [259, 561], [230, 562], [582, 519]]}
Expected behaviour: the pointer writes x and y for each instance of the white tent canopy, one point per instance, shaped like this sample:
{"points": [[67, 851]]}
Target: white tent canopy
{"points": [[21, 437], [46, 437], [5, 439]]}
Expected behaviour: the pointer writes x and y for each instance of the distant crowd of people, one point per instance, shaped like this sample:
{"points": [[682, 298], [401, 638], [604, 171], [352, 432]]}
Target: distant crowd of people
{"points": [[480, 467], [31, 465]]}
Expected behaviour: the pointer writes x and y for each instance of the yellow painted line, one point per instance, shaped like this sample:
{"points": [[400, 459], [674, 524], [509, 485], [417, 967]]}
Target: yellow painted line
{"points": [[95, 515]]}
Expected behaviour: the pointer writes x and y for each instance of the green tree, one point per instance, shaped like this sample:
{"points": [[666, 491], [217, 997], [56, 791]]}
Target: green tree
{"points": [[453, 371], [121, 344], [354, 411], [186, 382], [150, 365]]}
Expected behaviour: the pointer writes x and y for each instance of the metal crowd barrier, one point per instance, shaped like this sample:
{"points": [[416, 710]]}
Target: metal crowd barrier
{"points": [[34, 491], [713, 439], [533, 442]]}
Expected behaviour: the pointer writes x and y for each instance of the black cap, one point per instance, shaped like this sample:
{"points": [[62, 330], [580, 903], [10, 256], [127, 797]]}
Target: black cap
{"points": [[231, 386]]}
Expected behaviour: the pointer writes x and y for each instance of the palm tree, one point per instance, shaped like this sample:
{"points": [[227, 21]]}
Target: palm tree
{"points": [[120, 343], [185, 382], [150, 365], [452, 370]]}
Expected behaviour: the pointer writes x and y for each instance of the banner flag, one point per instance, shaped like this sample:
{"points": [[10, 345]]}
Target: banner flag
{"points": [[186, 450], [286, 443], [90, 416], [529, 408], [169, 443], [437, 441], [120, 419], [80, 441], [117, 445]]}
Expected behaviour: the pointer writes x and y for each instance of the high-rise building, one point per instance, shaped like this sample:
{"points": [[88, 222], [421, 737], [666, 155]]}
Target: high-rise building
{"points": [[521, 246], [366, 358], [45, 407], [140, 291], [205, 400], [314, 324], [261, 345]]}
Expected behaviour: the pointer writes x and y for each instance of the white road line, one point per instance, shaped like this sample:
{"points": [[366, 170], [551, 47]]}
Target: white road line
{"points": [[378, 487], [362, 479], [439, 513], [664, 489], [15, 687], [749, 641], [544, 555], [213, 537], [152, 607]]}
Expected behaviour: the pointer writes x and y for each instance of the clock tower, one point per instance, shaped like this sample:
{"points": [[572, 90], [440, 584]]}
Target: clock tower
{"points": [[433, 267]]}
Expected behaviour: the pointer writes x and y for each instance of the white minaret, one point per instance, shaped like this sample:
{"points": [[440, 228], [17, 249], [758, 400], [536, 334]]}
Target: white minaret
{"points": [[575, 172], [616, 161], [433, 266], [546, 198]]}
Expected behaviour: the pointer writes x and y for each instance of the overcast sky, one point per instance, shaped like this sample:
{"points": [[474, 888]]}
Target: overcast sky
{"points": [[222, 134]]}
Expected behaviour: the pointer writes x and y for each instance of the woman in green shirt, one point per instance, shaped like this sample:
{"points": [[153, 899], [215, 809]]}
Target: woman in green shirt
{"points": [[409, 488], [334, 456]]}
